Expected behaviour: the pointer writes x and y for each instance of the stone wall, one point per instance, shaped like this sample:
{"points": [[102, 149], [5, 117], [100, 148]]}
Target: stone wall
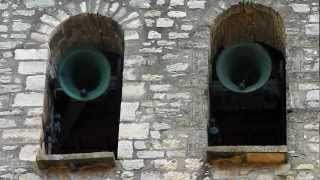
{"points": [[165, 93]]}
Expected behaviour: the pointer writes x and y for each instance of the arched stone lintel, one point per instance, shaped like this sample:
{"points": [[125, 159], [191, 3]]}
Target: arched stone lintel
{"points": [[248, 23]]}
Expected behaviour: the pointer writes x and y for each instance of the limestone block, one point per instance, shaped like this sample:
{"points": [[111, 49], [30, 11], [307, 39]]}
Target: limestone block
{"points": [[28, 152], [125, 149], [134, 131], [39, 3], [26, 54]]}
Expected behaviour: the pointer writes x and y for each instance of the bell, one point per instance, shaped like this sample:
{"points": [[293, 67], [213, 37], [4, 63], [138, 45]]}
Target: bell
{"points": [[84, 74], [244, 67]]}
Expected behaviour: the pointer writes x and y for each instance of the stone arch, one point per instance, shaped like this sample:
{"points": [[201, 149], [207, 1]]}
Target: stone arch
{"points": [[130, 19], [121, 14], [254, 23]]}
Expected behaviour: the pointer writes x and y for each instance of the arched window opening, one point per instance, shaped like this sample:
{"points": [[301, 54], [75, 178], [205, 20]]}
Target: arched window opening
{"points": [[247, 79], [83, 86]]}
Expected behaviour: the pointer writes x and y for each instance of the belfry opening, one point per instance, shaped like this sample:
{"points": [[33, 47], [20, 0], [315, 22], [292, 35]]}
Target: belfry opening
{"points": [[248, 78], [83, 86]]}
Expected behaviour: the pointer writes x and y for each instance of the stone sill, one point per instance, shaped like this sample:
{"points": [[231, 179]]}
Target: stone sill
{"points": [[74, 161], [247, 154]]}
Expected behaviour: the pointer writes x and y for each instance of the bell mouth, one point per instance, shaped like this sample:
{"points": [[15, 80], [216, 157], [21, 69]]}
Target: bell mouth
{"points": [[244, 67], [84, 74]]}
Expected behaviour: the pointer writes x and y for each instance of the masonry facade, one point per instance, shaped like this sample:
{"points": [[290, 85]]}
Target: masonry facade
{"points": [[164, 110]]}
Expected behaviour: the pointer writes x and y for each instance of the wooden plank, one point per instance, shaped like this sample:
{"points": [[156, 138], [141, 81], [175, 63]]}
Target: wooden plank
{"points": [[74, 161]]}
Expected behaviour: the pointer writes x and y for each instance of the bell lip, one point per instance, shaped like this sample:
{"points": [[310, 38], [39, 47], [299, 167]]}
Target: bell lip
{"points": [[102, 88], [251, 45]]}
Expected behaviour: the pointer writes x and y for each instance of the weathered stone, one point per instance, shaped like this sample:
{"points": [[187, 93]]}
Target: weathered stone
{"points": [[313, 147], [133, 90], [265, 177], [304, 176], [311, 126], [155, 134], [176, 2], [50, 20], [29, 176], [33, 121], [186, 27], [305, 166], [150, 154], [301, 8], [24, 134], [26, 54], [140, 3], [134, 24], [152, 13], [135, 60], [34, 111], [140, 145], [160, 126], [28, 152], [164, 164], [150, 175], [196, 4], [166, 43], [308, 86], [151, 50], [130, 74], [45, 29], [177, 67], [20, 26], [127, 175], [177, 35], [39, 3], [160, 87], [18, 36], [9, 148], [125, 149], [35, 82], [134, 131], [131, 35], [24, 12], [314, 18], [3, 28], [312, 29], [9, 44], [5, 78], [161, 2], [152, 77], [4, 5], [7, 123], [193, 164], [176, 176], [128, 111], [164, 22], [177, 14], [32, 67], [132, 164], [154, 35], [28, 99], [10, 88], [175, 154]]}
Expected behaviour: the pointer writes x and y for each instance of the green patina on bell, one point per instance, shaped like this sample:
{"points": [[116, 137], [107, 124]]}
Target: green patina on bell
{"points": [[84, 74], [244, 67]]}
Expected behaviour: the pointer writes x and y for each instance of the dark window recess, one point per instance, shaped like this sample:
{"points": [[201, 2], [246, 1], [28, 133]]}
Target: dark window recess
{"points": [[74, 121], [257, 117]]}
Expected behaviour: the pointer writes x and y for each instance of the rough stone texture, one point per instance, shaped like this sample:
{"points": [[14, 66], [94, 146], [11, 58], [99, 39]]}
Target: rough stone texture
{"points": [[28, 152], [164, 108]]}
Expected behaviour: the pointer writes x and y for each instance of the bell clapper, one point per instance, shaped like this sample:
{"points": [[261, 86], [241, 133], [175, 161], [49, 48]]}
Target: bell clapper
{"points": [[242, 84], [83, 93]]}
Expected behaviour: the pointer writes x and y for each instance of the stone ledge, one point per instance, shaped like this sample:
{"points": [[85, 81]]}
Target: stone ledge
{"points": [[74, 161], [247, 154]]}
